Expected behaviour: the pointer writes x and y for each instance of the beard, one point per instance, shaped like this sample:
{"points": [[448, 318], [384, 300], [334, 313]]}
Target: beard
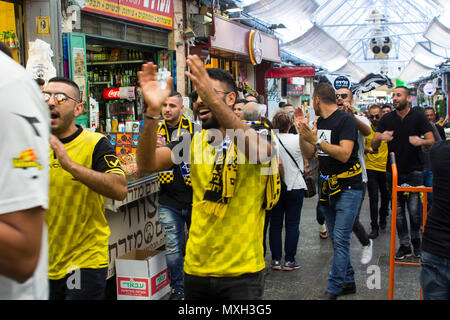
{"points": [[211, 123], [401, 106]]}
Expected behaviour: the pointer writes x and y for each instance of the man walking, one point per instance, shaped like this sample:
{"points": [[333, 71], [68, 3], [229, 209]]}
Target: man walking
{"points": [[402, 130], [83, 169], [376, 176], [344, 98], [175, 195], [224, 254], [335, 138]]}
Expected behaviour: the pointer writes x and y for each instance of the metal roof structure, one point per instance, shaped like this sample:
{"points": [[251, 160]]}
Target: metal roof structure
{"points": [[403, 39]]}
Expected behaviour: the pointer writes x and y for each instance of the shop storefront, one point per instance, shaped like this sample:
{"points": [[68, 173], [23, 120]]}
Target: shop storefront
{"points": [[102, 54], [11, 28], [244, 52]]}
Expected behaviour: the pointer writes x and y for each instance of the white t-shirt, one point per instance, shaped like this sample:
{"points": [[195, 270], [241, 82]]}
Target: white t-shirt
{"points": [[293, 178], [361, 146], [24, 128]]}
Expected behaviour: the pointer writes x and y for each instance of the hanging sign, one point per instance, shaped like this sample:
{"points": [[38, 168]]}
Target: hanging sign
{"points": [[341, 82], [429, 89], [255, 47], [157, 13]]}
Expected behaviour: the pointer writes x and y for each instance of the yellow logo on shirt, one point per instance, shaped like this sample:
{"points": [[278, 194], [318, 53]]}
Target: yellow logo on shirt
{"points": [[26, 159]]}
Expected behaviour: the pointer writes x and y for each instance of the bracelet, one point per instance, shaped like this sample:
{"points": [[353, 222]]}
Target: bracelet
{"points": [[152, 118]]}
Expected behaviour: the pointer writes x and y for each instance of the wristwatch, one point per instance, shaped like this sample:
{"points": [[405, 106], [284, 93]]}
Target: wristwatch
{"points": [[318, 143]]}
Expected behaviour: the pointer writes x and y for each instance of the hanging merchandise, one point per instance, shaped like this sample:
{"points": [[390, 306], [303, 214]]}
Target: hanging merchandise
{"points": [[39, 63]]}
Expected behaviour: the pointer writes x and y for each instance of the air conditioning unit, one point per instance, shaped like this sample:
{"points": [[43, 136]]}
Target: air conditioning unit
{"points": [[202, 25]]}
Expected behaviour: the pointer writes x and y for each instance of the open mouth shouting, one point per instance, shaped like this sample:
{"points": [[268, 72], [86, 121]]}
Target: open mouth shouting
{"points": [[203, 112]]}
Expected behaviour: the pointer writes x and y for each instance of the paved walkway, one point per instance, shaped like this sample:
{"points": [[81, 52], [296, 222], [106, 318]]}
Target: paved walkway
{"points": [[315, 257]]}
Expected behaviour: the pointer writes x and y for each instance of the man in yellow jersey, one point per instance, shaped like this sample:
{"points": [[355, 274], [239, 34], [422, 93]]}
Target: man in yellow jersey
{"points": [[376, 175], [224, 253], [175, 194], [83, 169]]}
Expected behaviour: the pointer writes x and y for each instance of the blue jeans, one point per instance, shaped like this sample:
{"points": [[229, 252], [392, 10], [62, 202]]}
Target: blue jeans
{"points": [[287, 210], [340, 216], [428, 182], [173, 221], [412, 201], [435, 277]]}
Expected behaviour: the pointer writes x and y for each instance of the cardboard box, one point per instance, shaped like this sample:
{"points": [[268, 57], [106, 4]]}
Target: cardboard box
{"points": [[142, 275]]}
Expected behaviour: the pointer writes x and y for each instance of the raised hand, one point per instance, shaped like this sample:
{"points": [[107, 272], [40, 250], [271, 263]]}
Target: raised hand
{"points": [[299, 117], [202, 82], [153, 95]]}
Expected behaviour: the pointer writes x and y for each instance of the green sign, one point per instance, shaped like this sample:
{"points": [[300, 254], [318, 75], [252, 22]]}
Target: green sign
{"points": [[400, 83]]}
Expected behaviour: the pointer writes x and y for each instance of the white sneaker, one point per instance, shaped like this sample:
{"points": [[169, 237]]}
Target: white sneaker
{"points": [[367, 253]]}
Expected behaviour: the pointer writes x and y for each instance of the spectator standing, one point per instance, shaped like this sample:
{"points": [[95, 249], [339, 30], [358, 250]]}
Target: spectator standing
{"points": [[83, 169], [435, 259], [344, 98], [335, 138], [376, 176], [227, 200], [288, 209], [431, 115], [238, 107], [385, 108], [402, 130], [175, 195], [24, 184]]}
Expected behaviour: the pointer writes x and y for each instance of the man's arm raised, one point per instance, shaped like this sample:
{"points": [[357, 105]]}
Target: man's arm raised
{"points": [[149, 158]]}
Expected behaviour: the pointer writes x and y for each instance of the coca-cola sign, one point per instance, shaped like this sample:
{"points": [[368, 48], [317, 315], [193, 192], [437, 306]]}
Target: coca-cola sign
{"points": [[112, 93]]}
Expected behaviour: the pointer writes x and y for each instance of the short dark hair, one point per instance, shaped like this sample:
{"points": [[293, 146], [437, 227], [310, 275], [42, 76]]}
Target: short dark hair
{"points": [[405, 88], [325, 92], [224, 77], [240, 101], [282, 120], [429, 108], [374, 106], [70, 83], [5, 49]]}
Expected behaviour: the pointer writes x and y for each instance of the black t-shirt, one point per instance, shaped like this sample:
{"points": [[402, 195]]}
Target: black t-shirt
{"points": [[441, 131], [338, 126], [408, 157], [436, 237], [104, 156], [176, 194]]}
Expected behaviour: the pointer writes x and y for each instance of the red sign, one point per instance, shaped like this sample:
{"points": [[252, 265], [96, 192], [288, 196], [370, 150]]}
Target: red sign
{"points": [[157, 13], [112, 93], [159, 281], [137, 287]]}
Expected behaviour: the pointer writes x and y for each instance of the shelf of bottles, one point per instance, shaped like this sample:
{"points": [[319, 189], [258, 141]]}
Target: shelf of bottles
{"points": [[112, 69]]}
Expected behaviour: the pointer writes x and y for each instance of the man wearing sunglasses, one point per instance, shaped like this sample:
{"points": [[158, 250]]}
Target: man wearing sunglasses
{"points": [[83, 169], [344, 99], [376, 175]]}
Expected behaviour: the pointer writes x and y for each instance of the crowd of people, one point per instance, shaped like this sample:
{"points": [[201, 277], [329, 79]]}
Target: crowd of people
{"points": [[225, 185]]}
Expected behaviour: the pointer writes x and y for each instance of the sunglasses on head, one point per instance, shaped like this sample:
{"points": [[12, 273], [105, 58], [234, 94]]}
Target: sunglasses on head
{"points": [[60, 97], [374, 116], [343, 95]]}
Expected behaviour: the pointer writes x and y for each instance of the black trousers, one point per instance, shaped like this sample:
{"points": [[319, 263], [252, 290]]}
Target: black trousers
{"points": [[377, 185], [249, 286]]}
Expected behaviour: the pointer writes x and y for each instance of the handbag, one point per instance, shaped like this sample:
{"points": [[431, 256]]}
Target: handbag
{"points": [[309, 180]]}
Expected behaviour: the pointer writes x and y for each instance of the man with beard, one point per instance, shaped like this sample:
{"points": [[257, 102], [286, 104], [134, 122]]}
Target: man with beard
{"points": [[376, 175], [175, 195], [83, 169], [344, 98], [335, 139], [224, 254], [402, 129]]}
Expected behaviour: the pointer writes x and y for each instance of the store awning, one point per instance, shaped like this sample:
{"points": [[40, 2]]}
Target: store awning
{"points": [[302, 72], [438, 33], [318, 48], [414, 70]]}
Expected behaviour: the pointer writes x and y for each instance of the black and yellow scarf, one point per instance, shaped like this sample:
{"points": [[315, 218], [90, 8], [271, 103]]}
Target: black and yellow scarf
{"points": [[330, 185], [221, 186], [167, 176]]}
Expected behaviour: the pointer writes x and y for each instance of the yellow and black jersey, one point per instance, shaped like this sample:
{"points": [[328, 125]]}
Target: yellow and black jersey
{"points": [[77, 227]]}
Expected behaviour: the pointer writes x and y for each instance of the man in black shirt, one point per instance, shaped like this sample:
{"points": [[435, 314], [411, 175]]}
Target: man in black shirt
{"points": [[402, 129], [335, 138], [435, 260], [175, 196], [431, 115]]}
